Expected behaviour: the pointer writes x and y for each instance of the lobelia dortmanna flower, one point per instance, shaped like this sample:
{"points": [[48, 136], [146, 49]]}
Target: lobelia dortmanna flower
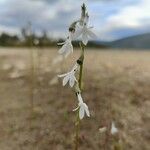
{"points": [[70, 76], [67, 47], [78, 29], [83, 108]]}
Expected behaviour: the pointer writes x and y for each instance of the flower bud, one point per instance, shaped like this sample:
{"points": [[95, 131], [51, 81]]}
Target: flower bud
{"points": [[83, 10], [73, 27], [79, 61]]}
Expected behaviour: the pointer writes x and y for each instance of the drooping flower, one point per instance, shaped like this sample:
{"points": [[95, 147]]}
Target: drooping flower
{"points": [[70, 76], [80, 27], [83, 108], [114, 130], [67, 47], [86, 31]]}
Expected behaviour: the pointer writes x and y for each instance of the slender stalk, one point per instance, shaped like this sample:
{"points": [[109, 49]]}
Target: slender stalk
{"points": [[32, 69], [77, 123], [81, 59], [38, 68], [32, 76], [77, 126]]}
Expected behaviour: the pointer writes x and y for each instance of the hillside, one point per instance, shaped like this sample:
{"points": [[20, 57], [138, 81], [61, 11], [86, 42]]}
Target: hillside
{"points": [[138, 41]]}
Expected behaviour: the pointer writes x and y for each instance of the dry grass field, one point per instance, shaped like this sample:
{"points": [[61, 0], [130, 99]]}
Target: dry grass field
{"points": [[116, 87]]}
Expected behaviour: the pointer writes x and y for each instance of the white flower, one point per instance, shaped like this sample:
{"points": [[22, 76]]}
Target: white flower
{"points": [[84, 31], [83, 108], [70, 76], [67, 47], [103, 129], [114, 130]]}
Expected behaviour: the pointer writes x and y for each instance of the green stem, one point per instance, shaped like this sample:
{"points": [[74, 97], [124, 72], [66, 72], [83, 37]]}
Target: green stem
{"points": [[32, 76], [81, 59], [77, 124]]}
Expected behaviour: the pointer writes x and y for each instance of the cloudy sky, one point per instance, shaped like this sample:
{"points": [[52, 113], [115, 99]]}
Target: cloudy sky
{"points": [[112, 19]]}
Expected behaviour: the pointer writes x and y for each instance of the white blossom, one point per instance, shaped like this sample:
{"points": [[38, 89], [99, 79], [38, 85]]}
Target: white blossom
{"points": [[114, 130], [67, 47], [84, 31], [70, 76], [102, 129], [83, 108]]}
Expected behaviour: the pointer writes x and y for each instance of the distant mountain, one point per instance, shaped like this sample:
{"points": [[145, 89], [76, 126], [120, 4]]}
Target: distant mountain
{"points": [[141, 41]]}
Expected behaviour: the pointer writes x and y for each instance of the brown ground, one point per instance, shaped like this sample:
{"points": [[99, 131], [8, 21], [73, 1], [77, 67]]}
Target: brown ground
{"points": [[116, 87]]}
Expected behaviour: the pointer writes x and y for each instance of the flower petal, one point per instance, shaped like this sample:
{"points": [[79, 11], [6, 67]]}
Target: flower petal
{"points": [[87, 110], [84, 38], [65, 80], [76, 109], [81, 112], [91, 34], [80, 99], [102, 129], [114, 130], [71, 81], [69, 49], [62, 75], [66, 53], [62, 43], [63, 49], [78, 32]]}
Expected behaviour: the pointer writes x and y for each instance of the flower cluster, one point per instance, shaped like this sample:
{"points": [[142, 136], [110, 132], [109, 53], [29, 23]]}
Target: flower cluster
{"points": [[78, 29]]}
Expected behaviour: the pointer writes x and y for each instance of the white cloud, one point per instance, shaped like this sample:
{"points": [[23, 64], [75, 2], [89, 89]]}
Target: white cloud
{"points": [[11, 30], [16, 12], [56, 15], [131, 16]]}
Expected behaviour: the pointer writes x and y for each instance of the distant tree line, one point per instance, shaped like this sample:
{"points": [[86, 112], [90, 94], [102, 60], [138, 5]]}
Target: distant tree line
{"points": [[33, 40], [29, 39], [8, 40]]}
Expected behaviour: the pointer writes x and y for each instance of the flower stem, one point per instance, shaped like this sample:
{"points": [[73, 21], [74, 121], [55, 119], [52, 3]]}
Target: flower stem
{"points": [[77, 123], [81, 59], [32, 69], [77, 126]]}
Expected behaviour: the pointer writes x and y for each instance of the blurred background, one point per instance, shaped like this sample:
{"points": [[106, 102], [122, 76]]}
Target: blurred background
{"points": [[36, 111]]}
